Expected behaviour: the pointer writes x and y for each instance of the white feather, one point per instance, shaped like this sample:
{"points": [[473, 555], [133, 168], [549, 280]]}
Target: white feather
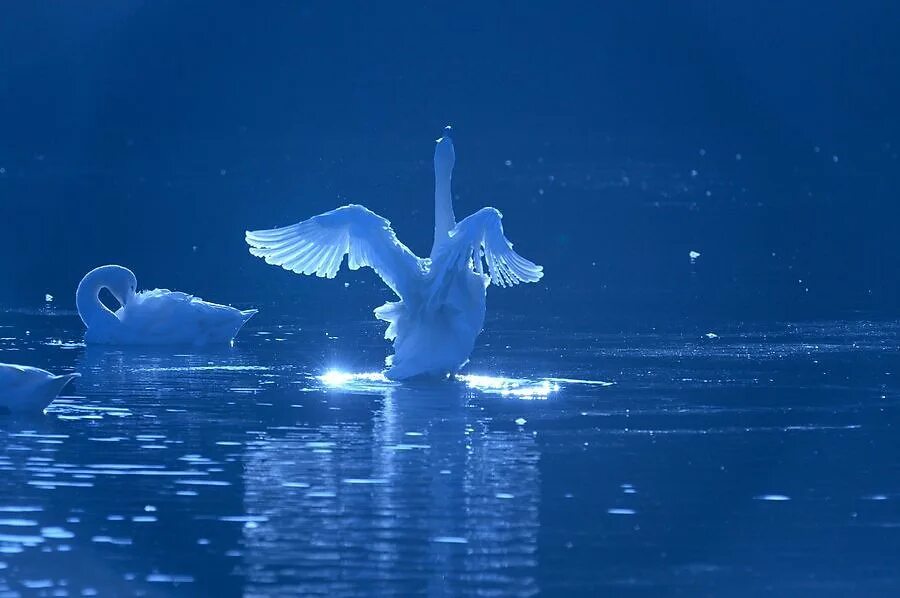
{"points": [[157, 317], [25, 389], [442, 299]]}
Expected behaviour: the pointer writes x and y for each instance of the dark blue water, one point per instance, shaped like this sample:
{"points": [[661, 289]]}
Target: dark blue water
{"points": [[614, 136], [743, 460], [640, 422]]}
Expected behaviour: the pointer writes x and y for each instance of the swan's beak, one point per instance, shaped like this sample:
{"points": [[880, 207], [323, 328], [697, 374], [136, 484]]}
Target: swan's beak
{"points": [[446, 136], [444, 156]]}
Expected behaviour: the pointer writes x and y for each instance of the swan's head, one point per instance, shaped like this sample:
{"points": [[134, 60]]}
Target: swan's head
{"points": [[119, 280], [128, 289], [444, 156]]}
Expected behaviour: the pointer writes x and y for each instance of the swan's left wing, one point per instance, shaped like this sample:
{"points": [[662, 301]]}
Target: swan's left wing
{"points": [[482, 232]]}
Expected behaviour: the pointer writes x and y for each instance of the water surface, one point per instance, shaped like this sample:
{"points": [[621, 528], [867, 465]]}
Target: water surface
{"points": [[737, 460]]}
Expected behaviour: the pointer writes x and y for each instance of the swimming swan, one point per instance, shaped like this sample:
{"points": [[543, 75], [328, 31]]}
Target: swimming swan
{"points": [[27, 389], [442, 299], [157, 317]]}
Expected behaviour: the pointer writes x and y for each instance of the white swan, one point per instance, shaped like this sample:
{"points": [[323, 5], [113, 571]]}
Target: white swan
{"points": [[157, 317], [442, 298], [27, 389]]}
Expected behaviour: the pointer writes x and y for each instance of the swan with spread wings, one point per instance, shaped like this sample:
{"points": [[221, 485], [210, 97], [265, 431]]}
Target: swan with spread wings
{"points": [[442, 298]]}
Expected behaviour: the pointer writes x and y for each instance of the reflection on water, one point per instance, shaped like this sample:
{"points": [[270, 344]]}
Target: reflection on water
{"points": [[266, 470], [419, 498], [674, 466]]}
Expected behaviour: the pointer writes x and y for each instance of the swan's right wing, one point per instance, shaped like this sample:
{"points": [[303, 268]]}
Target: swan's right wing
{"points": [[481, 234], [318, 246]]}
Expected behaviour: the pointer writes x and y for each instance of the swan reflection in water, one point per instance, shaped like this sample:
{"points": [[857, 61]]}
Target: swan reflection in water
{"points": [[118, 380], [428, 496]]}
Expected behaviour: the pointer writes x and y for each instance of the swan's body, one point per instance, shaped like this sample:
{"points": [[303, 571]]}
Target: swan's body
{"points": [[157, 317], [442, 299], [26, 389]]}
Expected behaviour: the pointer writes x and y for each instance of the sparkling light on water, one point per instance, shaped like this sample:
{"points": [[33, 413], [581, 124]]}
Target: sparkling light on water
{"points": [[511, 387], [338, 378], [521, 388]]}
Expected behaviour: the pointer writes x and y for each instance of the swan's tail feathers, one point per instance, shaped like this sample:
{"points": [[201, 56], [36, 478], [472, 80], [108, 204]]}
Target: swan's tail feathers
{"points": [[236, 325], [55, 385], [60, 382], [390, 312]]}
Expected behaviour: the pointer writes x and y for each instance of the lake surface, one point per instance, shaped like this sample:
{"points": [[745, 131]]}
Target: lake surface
{"points": [[739, 460]]}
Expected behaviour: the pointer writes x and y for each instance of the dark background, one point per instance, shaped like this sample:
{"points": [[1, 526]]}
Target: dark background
{"points": [[152, 134]]}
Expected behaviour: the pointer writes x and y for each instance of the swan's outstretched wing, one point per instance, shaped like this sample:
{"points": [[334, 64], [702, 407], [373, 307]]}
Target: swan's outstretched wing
{"points": [[483, 230], [318, 245]]}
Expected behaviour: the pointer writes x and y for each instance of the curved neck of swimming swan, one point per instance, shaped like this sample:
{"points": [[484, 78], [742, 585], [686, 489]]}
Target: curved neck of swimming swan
{"points": [[444, 219], [87, 298]]}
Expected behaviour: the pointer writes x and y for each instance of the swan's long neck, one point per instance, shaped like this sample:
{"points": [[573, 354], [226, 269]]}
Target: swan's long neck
{"points": [[87, 297], [444, 219]]}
